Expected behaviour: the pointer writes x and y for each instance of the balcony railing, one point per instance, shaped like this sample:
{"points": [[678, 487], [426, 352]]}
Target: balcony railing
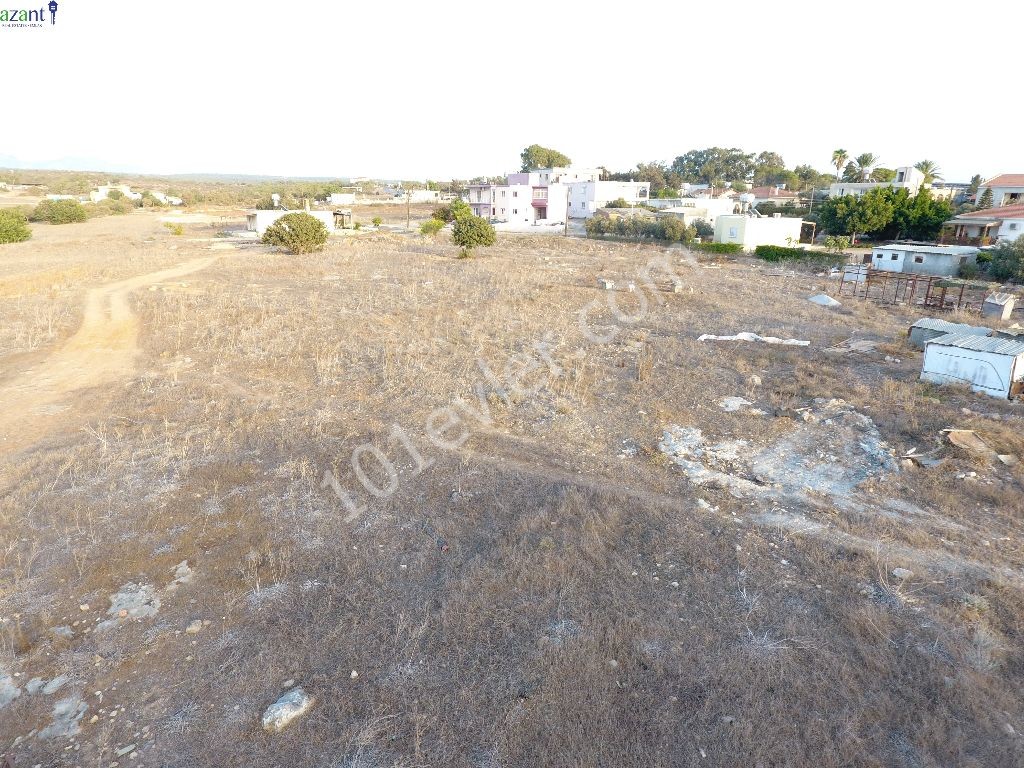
{"points": [[948, 239]]}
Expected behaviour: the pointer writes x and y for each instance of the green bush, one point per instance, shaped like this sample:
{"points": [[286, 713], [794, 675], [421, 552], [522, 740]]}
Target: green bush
{"points": [[968, 270], [1008, 261], [377, 221], [781, 253], [109, 207], [431, 226], [984, 257], [13, 226], [298, 232], [669, 229], [59, 212], [617, 203], [471, 232], [175, 229], [357, 225], [721, 248]]}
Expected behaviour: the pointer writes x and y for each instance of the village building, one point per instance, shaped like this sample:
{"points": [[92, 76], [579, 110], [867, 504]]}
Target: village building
{"points": [[751, 231], [257, 221], [917, 259], [1006, 188], [907, 177], [990, 225]]}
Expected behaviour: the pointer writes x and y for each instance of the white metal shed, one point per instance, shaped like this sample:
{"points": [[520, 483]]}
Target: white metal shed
{"points": [[989, 364]]}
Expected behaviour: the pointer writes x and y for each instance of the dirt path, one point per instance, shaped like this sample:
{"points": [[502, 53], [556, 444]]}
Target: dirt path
{"points": [[103, 350]]}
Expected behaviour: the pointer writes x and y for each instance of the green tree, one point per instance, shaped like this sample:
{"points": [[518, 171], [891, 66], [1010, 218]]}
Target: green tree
{"points": [[769, 160], [714, 166], [59, 212], [471, 232], [976, 180], [837, 244], [851, 172], [883, 174], [298, 232], [703, 229], [985, 201], [455, 210], [617, 203], [931, 171], [13, 226], [1008, 261], [115, 194], [535, 156], [865, 163], [839, 160], [849, 214]]}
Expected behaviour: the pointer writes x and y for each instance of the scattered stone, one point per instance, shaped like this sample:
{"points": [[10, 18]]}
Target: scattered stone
{"points": [[1008, 729], [605, 284], [288, 683], [677, 285], [613, 663], [9, 690], [824, 300], [754, 380], [83, 607], [901, 573], [63, 631], [34, 685], [135, 600], [195, 627], [182, 575], [66, 714], [354, 674], [54, 685], [291, 705], [94, 719], [1008, 459], [125, 750], [728, 719]]}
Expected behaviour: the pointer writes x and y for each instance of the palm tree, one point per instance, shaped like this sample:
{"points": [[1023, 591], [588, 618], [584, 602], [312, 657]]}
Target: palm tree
{"points": [[865, 163], [839, 158], [930, 170]]}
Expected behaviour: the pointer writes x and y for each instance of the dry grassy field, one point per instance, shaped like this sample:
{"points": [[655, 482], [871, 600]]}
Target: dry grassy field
{"points": [[486, 513]]}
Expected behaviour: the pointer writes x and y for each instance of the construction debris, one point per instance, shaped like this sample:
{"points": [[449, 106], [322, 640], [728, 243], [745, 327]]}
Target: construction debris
{"points": [[824, 300], [969, 440], [747, 336], [605, 284]]}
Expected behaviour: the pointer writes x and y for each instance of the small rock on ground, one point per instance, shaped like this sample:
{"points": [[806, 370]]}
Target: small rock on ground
{"points": [[290, 706]]}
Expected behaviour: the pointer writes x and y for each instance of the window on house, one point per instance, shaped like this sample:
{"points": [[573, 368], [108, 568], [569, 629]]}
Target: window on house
{"points": [[1013, 226], [515, 211], [919, 259], [878, 256], [515, 194], [894, 257]]}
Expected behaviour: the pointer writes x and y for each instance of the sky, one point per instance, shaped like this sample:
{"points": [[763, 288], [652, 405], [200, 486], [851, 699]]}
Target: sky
{"points": [[440, 90]]}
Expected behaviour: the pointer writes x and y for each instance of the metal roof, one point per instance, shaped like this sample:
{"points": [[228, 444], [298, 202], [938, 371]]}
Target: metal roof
{"points": [[994, 344], [999, 298], [939, 250], [935, 324]]}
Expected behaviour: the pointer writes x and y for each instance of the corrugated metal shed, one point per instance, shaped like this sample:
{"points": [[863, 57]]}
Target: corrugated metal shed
{"points": [[993, 344], [928, 328]]}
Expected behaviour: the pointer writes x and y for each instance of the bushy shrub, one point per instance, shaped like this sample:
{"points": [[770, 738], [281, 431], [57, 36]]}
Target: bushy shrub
{"points": [[13, 226], [377, 221], [617, 203], [298, 232], [431, 226], [59, 212], [669, 229], [1008, 261], [968, 270], [721, 248], [175, 229], [471, 232], [781, 253], [456, 209], [109, 207]]}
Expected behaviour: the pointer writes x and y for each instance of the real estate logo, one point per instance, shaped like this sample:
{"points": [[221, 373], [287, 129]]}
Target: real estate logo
{"points": [[24, 17]]}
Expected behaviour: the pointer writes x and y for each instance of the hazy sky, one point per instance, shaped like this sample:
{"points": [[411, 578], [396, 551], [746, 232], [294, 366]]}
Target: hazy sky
{"points": [[442, 89]]}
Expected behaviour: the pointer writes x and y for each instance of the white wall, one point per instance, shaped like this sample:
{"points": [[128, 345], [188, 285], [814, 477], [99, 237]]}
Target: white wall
{"points": [[985, 371], [999, 195], [342, 198], [586, 197], [750, 231], [258, 221]]}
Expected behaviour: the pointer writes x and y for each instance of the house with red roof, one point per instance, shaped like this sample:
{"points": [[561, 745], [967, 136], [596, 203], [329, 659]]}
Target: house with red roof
{"points": [[1007, 189], [986, 226]]}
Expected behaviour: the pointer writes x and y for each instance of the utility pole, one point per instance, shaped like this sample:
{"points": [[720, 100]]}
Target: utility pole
{"points": [[408, 208], [565, 228]]}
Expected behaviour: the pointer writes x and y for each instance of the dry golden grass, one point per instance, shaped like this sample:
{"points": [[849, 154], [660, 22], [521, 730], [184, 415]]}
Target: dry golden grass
{"points": [[532, 597]]}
